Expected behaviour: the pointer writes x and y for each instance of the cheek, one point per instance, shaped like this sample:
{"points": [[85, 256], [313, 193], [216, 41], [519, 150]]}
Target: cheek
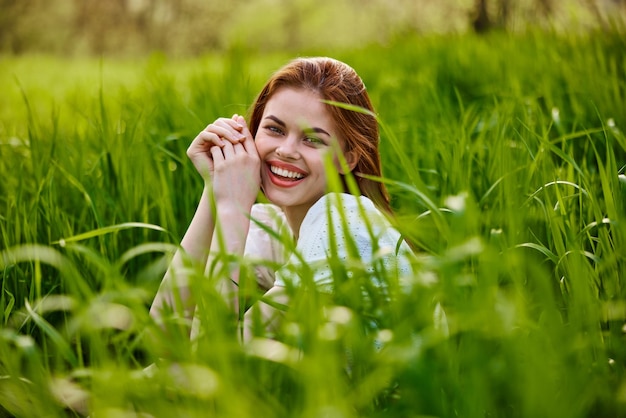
{"points": [[262, 145]]}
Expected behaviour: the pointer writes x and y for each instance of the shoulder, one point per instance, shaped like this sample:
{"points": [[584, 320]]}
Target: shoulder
{"points": [[265, 220], [340, 219], [267, 213], [341, 210], [345, 200], [346, 228]]}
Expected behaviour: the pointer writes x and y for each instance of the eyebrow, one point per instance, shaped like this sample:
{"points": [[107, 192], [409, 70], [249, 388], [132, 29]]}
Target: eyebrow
{"points": [[284, 125]]}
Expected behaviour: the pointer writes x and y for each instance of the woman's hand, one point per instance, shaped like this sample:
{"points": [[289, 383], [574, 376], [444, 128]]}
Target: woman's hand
{"points": [[217, 134], [236, 184], [175, 293], [236, 169]]}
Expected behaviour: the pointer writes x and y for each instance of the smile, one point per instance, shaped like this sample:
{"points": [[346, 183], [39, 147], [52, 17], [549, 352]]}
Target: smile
{"points": [[286, 173]]}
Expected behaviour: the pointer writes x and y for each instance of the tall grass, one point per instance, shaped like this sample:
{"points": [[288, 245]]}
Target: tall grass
{"points": [[506, 160]]}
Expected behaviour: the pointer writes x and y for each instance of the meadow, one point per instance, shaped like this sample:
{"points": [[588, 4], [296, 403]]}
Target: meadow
{"points": [[505, 156]]}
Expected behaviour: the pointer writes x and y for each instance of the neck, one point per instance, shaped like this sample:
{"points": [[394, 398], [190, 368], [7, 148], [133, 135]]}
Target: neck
{"points": [[295, 216]]}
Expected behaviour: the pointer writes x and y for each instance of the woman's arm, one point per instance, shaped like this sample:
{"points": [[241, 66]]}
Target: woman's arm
{"points": [[236, 186], [265, 314], [174, 293]]}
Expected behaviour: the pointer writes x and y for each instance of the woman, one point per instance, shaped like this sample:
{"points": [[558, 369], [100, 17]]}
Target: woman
{"points": [[312, 116]]}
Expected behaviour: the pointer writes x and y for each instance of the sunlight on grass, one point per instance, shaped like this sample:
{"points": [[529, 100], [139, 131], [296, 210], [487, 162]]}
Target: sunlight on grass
{"points": [[506, 160]]}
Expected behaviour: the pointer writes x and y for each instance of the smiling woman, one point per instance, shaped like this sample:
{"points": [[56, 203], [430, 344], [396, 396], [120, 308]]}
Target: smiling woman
{"points": [[294, 131]]}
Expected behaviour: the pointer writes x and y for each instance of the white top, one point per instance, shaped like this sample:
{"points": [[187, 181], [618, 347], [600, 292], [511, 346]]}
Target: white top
{"points": [[338, 226], [261, 247]]}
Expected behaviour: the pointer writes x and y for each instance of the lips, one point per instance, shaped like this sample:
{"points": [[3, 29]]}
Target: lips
{"points": [[284, 175], [281, 172]]}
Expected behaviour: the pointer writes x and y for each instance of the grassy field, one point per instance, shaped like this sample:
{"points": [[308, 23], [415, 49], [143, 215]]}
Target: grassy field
{"points": [[506, 159]]}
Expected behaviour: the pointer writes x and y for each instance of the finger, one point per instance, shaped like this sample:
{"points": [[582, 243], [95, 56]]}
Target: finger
{"points": [[239, 148], [248, 142], [217, 154], [228, 150], [230, 123], [241, 121], [228, 129], [224, 132], [205, 139]]}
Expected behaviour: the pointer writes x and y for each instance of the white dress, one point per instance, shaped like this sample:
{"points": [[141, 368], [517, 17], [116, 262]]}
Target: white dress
{"points": [[336, 223], [322, 236]]}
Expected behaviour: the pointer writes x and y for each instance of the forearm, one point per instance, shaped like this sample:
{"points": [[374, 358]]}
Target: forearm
{"points": [[175, 290], [221, 153], [232, 226], [263, 319]]}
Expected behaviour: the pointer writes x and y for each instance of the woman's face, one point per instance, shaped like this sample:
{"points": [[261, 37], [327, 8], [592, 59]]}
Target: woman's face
{"points": [[295, 133]]}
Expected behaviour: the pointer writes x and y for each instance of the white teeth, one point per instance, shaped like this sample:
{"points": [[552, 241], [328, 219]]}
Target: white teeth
{"points": [[285, 173]]}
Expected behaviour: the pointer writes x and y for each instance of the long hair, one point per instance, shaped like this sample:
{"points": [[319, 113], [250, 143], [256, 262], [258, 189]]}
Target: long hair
{"points": [[335, 81]]}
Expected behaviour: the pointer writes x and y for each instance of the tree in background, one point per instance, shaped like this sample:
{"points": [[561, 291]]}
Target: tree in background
{"points": [[485, 18], [190, 27], [499, 14]]}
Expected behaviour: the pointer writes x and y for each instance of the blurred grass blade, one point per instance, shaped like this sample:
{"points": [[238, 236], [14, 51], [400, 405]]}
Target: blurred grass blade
{"points": [[108, 230], [58, 340]]}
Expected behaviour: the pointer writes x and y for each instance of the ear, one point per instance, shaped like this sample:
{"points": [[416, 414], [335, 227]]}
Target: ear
{"points": [[352, 159]]}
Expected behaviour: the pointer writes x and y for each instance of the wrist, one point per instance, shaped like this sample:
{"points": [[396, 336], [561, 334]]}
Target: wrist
{"points": [[232, 210]]}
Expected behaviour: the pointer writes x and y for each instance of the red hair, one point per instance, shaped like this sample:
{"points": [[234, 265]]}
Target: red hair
{"points": [[335, 81]]}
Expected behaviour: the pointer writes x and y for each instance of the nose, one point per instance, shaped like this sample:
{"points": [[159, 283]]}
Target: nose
{"points": [[288, 148]]}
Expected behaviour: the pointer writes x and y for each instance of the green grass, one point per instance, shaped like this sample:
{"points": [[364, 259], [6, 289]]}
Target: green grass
{"points": [[506, 159]]}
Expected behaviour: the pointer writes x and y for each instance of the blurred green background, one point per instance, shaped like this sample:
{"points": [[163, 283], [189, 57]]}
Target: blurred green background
{"points": [[183, 27], [503, 142]]}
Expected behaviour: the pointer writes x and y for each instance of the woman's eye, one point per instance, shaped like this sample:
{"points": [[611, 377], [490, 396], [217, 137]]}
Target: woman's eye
{"points": [[274, 129], [313, 140]]}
